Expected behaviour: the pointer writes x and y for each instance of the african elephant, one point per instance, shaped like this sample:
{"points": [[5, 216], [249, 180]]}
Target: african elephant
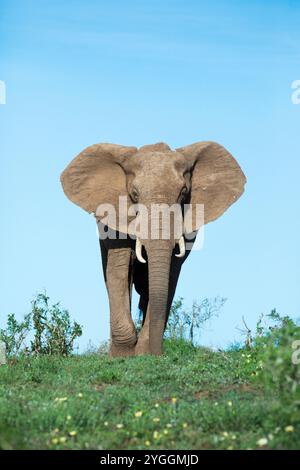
{"points": [[202, 173]]}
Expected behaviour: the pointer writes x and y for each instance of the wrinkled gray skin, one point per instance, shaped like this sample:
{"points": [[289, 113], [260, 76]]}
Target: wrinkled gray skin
{"points": [[201, 173]]}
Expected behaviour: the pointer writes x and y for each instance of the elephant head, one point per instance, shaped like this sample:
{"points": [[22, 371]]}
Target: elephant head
{"points": [[201, 173]]}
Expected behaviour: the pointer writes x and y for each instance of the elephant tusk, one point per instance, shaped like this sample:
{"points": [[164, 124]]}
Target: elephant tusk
{"points": [[138, 251], [181, 244]]}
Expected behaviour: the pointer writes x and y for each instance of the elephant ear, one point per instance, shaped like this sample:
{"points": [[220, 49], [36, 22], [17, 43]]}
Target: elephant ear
{"points": [[96, 176], [217, 179]]}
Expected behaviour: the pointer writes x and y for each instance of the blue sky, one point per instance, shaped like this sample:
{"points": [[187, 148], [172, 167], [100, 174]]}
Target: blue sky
{"points": [[134, 73]]}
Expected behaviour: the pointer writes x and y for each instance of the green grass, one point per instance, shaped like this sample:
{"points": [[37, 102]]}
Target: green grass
{"points": [[190, 398]]}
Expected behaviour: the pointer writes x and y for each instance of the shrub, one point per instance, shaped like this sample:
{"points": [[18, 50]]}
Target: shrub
{"points": [[15, 333], [274, 348], [187, 323], [53, 331]]}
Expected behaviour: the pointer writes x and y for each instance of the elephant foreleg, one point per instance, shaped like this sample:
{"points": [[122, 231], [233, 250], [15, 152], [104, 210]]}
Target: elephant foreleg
{"points": [[118, 281], [143, 346]]}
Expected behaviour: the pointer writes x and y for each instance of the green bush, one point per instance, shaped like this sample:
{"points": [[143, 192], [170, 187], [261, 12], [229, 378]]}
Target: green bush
{"points": [[274, 347], [51, 327], [186, 324], [15, 333]]}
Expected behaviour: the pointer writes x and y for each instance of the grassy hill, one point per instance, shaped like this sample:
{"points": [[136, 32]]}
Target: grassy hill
{"points": [[190, 398]]}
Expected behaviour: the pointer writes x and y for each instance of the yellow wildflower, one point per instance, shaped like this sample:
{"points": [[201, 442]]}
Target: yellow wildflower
{"points": [[138, 414], [61, 399], [289, 428], [262, 442]]}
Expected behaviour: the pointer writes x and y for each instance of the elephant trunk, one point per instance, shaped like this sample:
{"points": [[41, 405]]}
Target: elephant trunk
{"points": [[159, 254]]}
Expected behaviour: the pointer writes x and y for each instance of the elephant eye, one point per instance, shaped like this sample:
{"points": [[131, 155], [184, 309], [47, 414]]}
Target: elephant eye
{"points": [[134, 195], [184, 191], [183, 194]]}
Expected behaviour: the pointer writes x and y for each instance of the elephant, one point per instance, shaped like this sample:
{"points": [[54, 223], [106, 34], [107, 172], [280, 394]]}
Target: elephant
{"points": [[203, 173]]}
